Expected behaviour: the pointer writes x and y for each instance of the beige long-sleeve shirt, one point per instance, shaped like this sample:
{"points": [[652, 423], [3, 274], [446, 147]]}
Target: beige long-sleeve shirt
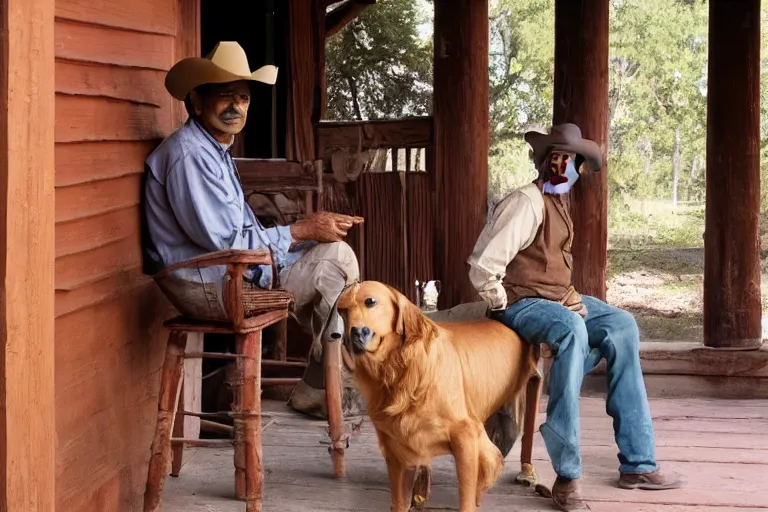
{"points": [[512, 228]]}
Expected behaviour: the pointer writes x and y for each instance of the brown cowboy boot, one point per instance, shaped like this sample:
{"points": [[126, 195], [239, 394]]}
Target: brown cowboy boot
{"points": [[566, 495], [654, 481]]}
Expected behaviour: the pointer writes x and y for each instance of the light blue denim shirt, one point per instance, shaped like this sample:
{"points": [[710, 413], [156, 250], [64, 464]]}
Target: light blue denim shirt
{"points": [[195, 205]]}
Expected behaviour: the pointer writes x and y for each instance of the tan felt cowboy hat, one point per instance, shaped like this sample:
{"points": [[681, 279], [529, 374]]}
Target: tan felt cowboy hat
{"points": [[567, 138], [226, 63]]}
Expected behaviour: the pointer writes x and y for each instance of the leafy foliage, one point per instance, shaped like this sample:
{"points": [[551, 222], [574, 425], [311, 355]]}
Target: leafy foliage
{"points": [[378, 67]]}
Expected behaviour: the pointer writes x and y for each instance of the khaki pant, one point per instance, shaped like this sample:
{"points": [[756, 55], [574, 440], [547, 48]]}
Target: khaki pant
{"points": [[316, 280]]}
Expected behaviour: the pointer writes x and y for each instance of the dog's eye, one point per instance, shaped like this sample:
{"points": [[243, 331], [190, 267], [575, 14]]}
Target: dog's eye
{"points": [[370, 302]]}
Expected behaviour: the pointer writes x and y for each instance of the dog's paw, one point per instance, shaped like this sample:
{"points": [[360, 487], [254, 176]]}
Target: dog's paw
{"points": [[527, 476]]}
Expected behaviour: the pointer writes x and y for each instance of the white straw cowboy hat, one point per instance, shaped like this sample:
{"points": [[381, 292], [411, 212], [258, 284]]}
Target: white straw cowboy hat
{"points": [[227, 62], [567, 138]]}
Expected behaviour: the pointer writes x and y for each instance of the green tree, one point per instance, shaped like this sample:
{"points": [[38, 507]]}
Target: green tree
{"points": [[658, 63], [378, 66]]}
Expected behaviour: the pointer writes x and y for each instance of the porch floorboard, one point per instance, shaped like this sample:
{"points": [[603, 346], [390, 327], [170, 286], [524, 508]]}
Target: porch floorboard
{"points": [[721, 446]]}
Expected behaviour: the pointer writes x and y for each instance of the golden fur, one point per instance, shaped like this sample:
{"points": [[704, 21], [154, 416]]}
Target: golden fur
{"points": [[430, 387]]}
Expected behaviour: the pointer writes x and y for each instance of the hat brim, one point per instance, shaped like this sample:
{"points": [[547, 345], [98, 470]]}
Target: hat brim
{"points": [[543, 143], [193, 72]]}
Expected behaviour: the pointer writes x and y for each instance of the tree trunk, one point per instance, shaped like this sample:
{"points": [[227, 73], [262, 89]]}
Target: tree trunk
{"points": [[692, 177], [676, 167], [355, 100]]}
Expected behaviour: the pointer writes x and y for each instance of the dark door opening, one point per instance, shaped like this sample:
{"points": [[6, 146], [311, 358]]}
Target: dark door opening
{"points": [[260, 28]]}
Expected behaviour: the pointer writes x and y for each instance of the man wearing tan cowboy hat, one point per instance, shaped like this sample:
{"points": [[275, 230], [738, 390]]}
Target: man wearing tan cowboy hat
{"points": [[195, 205], [521, 266]]}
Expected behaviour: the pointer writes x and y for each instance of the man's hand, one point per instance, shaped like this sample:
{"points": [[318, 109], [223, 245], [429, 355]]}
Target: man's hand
{"points": [[323, 227]]}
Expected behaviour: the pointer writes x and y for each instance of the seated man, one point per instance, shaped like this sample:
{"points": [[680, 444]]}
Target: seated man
{"points": [[521, 266], [195, 205]]}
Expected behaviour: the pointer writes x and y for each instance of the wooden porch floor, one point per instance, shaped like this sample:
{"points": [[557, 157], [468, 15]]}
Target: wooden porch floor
{"points": [[721, 446]]}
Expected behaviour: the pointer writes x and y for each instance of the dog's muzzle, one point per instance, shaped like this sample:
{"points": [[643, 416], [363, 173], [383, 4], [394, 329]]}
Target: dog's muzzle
{"points": [[360, 337]]}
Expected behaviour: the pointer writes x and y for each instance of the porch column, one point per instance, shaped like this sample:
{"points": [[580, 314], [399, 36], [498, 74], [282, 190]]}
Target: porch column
{"points": [[460, 140], [27, 419], [581, 97], [732, 307]]}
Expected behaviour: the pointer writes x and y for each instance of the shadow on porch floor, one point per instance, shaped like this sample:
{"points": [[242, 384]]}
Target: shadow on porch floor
{"points": [[721, 446]]}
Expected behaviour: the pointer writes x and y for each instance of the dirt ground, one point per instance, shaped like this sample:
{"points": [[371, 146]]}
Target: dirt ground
{"points": [[663, 288]]}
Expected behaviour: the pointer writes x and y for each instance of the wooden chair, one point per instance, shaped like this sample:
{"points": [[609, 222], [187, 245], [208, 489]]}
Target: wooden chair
{"points": [[248, 312]]}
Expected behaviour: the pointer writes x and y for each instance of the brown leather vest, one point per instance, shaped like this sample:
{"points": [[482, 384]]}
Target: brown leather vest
{"points": [[544, 268]]}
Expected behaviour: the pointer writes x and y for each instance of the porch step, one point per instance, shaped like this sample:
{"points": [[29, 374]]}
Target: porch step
{"points": [[689, 370]]}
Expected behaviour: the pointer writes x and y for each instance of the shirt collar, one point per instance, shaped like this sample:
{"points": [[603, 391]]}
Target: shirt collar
{"points": [[223, 149]]}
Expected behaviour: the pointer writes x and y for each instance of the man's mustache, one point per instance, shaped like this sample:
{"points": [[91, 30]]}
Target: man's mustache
{"points": [[230, 114]]}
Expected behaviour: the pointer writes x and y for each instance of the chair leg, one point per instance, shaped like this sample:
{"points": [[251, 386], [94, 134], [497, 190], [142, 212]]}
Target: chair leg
{"points": [[173, 368], [333, 391], [177, 448], [246, 408], [533, 388], [281, 341]]}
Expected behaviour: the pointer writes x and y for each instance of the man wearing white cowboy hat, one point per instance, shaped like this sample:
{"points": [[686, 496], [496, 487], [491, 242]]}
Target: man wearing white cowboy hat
{"points": [[195, 205], [521, 266]]}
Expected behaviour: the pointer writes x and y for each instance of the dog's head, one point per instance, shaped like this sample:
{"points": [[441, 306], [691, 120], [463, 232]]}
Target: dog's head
{"points": [[379, 319], [390, 338]]}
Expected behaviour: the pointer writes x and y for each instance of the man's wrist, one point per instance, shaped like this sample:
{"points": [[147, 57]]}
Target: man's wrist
{"points": [[299, 232]]}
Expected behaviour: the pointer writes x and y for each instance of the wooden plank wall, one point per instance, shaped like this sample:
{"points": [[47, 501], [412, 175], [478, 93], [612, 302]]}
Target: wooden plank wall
{"points": [[421, 230], [111, 111], [388, 252]]}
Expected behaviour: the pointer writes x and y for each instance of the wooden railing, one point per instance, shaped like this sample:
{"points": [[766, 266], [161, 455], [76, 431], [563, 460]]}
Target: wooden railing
{"points": [[411, 132]]}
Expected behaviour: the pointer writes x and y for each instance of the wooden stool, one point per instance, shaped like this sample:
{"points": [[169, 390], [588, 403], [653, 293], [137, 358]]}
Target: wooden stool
{"points": [[246, 384]]}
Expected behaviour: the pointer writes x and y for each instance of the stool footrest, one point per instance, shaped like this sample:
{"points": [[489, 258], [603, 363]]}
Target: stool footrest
{"points": [[203, 443], [211, 355], [280, 381], [275, 363]]}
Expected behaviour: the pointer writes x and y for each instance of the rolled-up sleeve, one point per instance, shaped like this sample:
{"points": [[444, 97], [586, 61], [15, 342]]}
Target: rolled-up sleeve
{"points": [[205, 208], [512, 228]]}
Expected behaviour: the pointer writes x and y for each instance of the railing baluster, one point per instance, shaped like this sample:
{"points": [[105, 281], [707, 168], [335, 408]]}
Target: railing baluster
{"points": [[408, 160]]}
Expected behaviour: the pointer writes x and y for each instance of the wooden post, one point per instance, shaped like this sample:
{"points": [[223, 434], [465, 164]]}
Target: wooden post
{"points": [[460, 139], [303, 79], [186, 44], [27, 119], [732, 307], [581, 97]]}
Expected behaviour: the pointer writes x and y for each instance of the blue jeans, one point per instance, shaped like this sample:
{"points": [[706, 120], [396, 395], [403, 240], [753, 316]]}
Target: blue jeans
{"points": [[606, 332]]}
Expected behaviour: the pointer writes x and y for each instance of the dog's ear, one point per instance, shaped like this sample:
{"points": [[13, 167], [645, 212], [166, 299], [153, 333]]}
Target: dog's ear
{"points": [[411, 323]]}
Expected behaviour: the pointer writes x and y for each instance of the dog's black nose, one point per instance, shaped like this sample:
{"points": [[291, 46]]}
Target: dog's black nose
{"points": [[359, 336], [362, 332]]}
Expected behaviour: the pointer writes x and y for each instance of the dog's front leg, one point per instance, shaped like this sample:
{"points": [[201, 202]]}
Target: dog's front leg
{"points": [[465, 449], [400, 484]]}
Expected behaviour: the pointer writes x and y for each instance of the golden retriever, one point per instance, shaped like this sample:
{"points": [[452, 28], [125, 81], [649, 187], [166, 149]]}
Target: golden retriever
{"points": [[430, 387]]}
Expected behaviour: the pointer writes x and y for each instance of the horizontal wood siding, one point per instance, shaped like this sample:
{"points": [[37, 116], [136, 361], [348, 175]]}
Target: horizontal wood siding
{"points": [[111, 111]]}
